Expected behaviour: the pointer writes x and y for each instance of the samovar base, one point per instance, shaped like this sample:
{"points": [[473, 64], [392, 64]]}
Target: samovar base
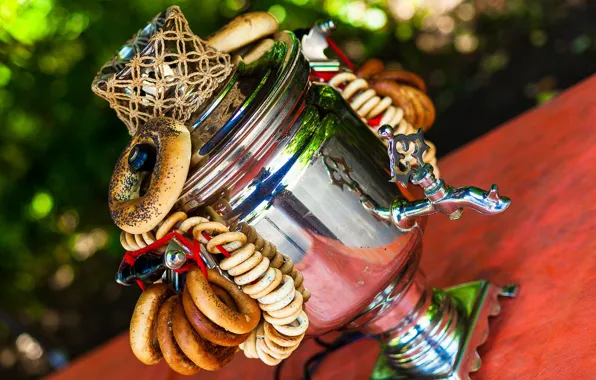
{"points": [[475, 303]]}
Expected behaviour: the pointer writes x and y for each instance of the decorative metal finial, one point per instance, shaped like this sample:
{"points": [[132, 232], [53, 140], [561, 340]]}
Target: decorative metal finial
{"points": [[402, 150], [314, 44]]}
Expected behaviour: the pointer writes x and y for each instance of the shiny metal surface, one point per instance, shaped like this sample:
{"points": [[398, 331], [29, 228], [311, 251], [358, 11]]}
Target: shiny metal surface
{"points": [[443, 344], [315, 181], [274, 170], [440, 197], [314, 44], [174, 257]]}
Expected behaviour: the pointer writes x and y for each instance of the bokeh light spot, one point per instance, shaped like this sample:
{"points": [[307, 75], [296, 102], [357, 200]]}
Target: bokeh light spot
{"points": [[545, 96], [236, 5], [68, 221], [356, 12], [25, 281], [354, 49], [27, 21], [375, 18], [29, 346], [22, 125], [466, 43], [50, 320], [495, 62], [86, 244], [403, 10], [580, 44], [426, 42], [445, 24], [465, 12], [538, 38], [5, 75], [77, 23], [404, 31], [62, 278], [41, 205], [8, 358], [333, 7], [278, 12]]}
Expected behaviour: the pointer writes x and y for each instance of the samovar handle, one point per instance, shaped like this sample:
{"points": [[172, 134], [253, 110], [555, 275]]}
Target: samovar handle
{"points": [[407, 166]]}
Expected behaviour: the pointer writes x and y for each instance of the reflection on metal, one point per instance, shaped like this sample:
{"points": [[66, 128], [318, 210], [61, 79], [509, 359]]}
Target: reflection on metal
{"points": [[314, 44], [440, 197], [339, 173], [174, 258], [282, 160], [401, 148], [443, 343]]}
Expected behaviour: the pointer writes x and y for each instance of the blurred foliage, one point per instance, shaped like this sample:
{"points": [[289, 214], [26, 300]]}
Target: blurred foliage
{"points": [[485, 61]]}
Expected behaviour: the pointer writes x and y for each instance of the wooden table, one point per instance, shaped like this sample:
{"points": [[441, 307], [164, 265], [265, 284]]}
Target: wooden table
{"points": [[545, 161]]}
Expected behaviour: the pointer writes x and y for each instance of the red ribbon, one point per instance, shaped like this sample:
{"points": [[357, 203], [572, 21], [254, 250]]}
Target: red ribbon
{"points": [[131, 256], [341, 54]]}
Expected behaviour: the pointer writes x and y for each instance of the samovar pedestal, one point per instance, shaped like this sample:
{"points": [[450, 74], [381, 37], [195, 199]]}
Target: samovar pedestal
{"points": [[439, 336]]}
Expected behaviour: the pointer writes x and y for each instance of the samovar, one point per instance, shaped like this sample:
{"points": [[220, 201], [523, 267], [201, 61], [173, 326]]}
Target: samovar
{"points": [[290, 157]]}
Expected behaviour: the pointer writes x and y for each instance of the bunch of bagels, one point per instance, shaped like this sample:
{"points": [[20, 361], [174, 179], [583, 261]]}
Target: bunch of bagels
{"points": [[254, 300]]}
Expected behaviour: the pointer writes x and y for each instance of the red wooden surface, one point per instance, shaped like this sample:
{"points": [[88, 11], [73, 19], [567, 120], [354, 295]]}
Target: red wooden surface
{"points": [[546, 242]]}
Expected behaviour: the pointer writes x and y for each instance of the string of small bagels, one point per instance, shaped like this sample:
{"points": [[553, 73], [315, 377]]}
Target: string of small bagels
{"points": [[254, 298]]}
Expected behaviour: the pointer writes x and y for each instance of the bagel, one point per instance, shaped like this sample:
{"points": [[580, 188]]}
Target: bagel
{"points": [[201, 352], [168, 224], [243, 30], [172, 353], [296, 328], [262, 350], [205, 327], [370, 68], [239, 322], [258, 51], [402, 77], [143, 322], [280, 339], [224, 296], [393, 90], [135, 213]]}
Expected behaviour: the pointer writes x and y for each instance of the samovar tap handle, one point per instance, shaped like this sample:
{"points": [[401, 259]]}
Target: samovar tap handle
{"points": [[407, 166]]}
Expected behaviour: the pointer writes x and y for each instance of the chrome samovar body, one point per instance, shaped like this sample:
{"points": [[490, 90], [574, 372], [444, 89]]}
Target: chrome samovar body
{"points": [[300, 166]]}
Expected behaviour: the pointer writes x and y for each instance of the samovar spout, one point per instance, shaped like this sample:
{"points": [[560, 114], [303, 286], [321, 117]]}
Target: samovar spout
{"points": [[439, 197]]}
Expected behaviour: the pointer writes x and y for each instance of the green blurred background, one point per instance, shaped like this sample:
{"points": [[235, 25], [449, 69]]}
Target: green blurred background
{"points": [[485, 61]]}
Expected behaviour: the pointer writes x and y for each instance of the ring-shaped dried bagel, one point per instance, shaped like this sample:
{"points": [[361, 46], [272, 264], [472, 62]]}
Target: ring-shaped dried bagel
{"points": [[229, 240], [270, 279], [237, 257], [402, 77], [172, 353], [135, 213], [290, 309], [370, 68], [200, 351], [394, 91], [261, 348], [208, 329], [277, 348], [239, 322], [224, 296], [169, 223], [243, 30], [295, 328], [279, 338], [250, 345], [143, 340]]}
